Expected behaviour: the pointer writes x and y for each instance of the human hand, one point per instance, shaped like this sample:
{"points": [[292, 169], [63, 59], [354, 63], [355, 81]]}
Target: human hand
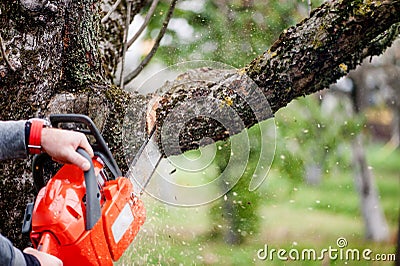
{"points": [[61, 145], [44, 258]]}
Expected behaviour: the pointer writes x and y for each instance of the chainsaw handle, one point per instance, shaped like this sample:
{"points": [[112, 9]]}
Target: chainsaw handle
{"points": [[48, 243], [100, 144], [93, 210]]}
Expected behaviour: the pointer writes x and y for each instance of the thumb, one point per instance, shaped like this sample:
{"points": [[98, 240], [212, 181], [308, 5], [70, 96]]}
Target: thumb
{"points": [[44, 258]]}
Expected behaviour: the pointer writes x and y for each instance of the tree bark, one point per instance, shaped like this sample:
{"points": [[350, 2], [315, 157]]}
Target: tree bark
{"points": [[53, 60], [56, 57]]}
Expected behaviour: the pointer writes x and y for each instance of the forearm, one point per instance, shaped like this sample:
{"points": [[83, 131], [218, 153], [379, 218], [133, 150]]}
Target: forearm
{"points": [[9, 255], [12, 140]]}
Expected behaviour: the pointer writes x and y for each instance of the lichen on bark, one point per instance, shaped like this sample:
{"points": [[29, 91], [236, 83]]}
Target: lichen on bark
{"points": [[307, 57], [206, 105]]}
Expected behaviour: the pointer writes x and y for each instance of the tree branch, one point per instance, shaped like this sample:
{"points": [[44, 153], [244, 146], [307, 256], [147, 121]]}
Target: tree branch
{"points": [[319, 50], [4, 55], [125, 47], [111, 42], [147, 59], [146, 21], [306, 58], [110, 11]]}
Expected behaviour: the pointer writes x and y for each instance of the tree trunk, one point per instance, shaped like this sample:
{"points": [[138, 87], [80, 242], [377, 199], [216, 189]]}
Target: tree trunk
{"points": [[376, 227], [50, 62], [395, 139], [57, 57]]}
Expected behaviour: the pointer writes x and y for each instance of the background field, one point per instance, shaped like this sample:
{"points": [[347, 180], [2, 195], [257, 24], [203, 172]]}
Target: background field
{"points": [[293, 215]]}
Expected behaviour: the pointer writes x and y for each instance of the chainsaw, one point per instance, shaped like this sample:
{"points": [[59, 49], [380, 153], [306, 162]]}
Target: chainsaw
{"points": [[89, 217]]}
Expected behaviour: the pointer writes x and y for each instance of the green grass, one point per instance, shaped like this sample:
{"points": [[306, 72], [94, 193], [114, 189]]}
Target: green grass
{"points": [[294, 215]]}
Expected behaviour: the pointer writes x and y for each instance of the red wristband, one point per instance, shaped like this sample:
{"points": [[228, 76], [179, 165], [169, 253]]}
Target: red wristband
{"points": [[35, 136]]}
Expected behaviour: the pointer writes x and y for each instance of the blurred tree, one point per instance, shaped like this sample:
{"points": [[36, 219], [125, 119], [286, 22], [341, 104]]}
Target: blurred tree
{"points": [[375, 87], [326, 119], [235, 215]]}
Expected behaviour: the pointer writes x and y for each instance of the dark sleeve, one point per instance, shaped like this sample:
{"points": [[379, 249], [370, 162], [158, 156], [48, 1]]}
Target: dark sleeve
{"points": [[12, 140], [9, 255], [31, 260]]}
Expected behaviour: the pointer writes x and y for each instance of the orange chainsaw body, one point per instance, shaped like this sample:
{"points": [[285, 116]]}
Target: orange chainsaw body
{"points": [[58, 218]]}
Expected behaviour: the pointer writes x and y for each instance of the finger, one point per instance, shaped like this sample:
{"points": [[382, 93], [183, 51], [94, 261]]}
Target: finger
{"points": [[80, 161], [44, 258], [30, 251], [86, 146]]}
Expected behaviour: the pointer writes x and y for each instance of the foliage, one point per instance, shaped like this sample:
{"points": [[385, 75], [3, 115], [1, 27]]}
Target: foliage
{"points": [[298, 127], [291, 215], [235, 215], [228, 31], [303, 124]]}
